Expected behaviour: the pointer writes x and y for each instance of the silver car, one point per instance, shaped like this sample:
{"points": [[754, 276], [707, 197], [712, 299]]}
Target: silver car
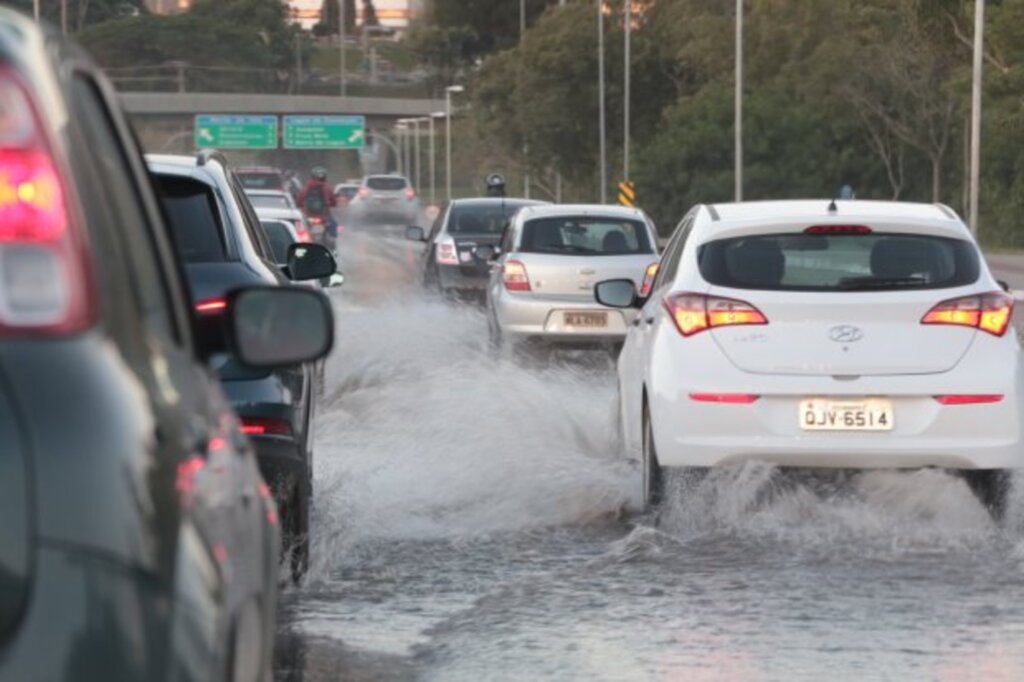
{"points": [[388, 198], [543, 275]]}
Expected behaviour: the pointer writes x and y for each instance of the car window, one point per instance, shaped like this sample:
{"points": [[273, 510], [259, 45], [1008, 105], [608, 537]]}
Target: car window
{"points": [[280, 239], [121, 194], [839, 262], [260, 180], [585, 236], [195, 220], [386, 184], [269, 201], [480, 218], [249, 219], [674, 252]]}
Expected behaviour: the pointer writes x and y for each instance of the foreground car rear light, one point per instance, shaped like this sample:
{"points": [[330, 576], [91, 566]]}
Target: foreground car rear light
{"points": [[989, 312], [969, 399], [727, 398], [693, 313], [447, 253], [649, 274], [46, 284], [211, 306], [265, 426], [513, 274]]}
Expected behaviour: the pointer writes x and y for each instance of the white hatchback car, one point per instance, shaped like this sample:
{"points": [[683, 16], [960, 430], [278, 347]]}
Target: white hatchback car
{"points": [[850, 334]]}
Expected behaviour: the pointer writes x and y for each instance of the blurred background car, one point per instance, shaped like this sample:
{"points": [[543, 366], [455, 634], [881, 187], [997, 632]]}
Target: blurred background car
{"points": [[262, 177], [137, 540], [386, 198], [547, 265], [345, 192], [220, 239], [449, 264], [273, 204]]}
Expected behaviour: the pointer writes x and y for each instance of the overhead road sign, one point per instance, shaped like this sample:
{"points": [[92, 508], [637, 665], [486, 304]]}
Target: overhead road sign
{"points": [[324, 132], [235, 132], [627, 193]]}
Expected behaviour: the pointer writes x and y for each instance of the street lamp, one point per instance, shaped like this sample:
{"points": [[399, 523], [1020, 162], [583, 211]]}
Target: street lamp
{"points": [[416, 141], [401, 129], [738, 113], [979, 31], [600, 97], [341, 43], [448, 92], [625, 87], [433, 182]]}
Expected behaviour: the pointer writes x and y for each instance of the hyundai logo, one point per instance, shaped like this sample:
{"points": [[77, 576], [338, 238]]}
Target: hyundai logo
{"points": [[845, 333]]}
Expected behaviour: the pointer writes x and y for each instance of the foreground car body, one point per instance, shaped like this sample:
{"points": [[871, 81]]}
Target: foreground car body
{"points": [[550, 259], [868, 336]]}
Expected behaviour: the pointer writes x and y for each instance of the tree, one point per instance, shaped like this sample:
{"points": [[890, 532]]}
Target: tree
{"points": [[328, 24], [370, 14]]}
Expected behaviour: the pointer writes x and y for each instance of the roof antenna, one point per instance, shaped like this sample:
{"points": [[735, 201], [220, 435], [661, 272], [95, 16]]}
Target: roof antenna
{"points": [[832, 206]]}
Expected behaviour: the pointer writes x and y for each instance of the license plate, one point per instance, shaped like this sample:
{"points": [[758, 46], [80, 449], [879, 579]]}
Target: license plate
{"points": [[869, 414], [465, 256], [590, 320]]}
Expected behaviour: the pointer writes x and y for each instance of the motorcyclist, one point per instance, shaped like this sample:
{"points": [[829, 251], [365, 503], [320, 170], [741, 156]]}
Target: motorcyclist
{"points": [[316, 199]]}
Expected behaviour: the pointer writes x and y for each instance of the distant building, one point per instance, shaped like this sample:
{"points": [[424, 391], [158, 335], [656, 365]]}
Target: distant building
{"points": [[168, 6]]}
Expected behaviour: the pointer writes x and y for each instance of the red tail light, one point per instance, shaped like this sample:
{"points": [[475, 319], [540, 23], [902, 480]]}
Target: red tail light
{"points": [[410, 194], [211, 306], [649, 275], [316, 220], [989, 312], [46, 284], [301, 232], [513, 274], [265, 426], [838, 229], [695, 313], [363, 192], [969, 399], [447, 253], [727, 398]]}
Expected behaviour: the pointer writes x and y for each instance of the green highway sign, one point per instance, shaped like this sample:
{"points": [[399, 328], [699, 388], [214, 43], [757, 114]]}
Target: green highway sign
{"points": [[324, 132], [236, 132]]}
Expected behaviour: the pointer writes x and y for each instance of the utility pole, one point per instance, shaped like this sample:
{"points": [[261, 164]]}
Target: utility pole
{"points": [[35, 10], [738, 124], [433, 158], [600, 97], [448, 92], [416, 141], [979, 37], [64, 17], [625, 100], [341, 44], [526, 145]]}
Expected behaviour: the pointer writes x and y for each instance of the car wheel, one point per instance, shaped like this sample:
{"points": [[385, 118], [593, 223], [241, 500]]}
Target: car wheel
{"points": [[653, 474], [991, 487]]}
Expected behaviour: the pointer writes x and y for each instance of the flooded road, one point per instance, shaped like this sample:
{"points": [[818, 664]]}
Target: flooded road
{"points": [[466, 526]]}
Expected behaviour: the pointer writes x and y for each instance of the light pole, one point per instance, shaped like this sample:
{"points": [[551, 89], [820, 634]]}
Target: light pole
{"points": [[625, 90], [738, 124], [979, 37], [400, 129], [448, 92], [600, 97], [526, 145], [416, 140], [35, 10], [433, 164], [341, 44]]}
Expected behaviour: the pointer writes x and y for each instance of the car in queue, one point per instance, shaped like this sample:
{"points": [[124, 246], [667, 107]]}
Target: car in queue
{"points": [[137, 538], [280, 206], [550, 258], [385, 198], [345, 192], [814, 334], [450, 264], [223, 246], [281, 235], [262, 178]]}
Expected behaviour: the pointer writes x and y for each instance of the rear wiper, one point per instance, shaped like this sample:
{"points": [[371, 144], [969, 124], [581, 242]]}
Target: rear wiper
{"points": [[855, 283]]}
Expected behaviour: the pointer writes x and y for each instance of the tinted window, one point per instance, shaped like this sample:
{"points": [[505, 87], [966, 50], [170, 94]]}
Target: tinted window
{"points": [[260, 180], [857, 262], [347, 192], [192, 211], [585, 236], [480, 219], [386, 184], [279, 237], [269, 201]]}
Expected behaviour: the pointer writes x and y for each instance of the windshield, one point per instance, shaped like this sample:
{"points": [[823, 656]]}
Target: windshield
{"points": [[269, 201], [280, 238], [480, 218], [386, 184], [840, 262], [259, 180], [585, 236], [191, 209]]}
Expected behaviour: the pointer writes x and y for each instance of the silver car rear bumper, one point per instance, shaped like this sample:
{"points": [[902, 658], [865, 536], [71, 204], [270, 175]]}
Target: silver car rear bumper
{"points": [[525, 316]]}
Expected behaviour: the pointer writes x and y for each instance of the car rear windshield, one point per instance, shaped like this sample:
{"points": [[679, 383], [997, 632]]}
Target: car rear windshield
{"points": [[269, 201], [839, 262], [585, 236], [259, 180], [480, 219], [280, 239], [386, 184], [195, 221]]}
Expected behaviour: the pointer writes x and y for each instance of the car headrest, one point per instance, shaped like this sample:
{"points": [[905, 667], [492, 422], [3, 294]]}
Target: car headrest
{"points": [[756, 262], [900, 257], [614, 242]]}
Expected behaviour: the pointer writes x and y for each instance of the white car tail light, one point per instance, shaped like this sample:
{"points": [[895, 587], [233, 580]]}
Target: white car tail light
{"points": [[363, 192], [725, 398], [46, 284], [969, 399], [513, 274], [410, 194], [649, 274], [447, 253], [694, 313], [989, 312]]}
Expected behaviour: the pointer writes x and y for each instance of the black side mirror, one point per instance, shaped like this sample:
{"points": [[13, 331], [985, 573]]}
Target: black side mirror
{"points": [[1003, 284], [616, 293], [310, 261], [415, 233], [487, 252], [279, 326]]}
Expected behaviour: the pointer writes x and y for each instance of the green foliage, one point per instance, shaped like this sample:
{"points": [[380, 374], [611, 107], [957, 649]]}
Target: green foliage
{"points": [[328, 24]]}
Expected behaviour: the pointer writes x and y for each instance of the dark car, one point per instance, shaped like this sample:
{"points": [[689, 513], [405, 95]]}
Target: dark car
{"points": [[449, 263], [137, 539], [223, 245]]}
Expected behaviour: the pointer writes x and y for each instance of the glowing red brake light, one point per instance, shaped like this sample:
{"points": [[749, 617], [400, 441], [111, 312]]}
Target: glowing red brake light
{"points": [[265, 426], [838, 229], [363, 192], [211, 306], [969, 399], [513, 274], [649, 274], [46, 284], [989, 312], [693, 313], [725, 398], [410, 194], [301, 232]]}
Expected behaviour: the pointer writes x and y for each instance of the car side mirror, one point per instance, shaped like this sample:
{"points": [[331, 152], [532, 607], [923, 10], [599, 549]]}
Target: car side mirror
{"points": [[1003, 284], [616, 293], [271, 327], [415, 233], [310, 261], [487, 252]]}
